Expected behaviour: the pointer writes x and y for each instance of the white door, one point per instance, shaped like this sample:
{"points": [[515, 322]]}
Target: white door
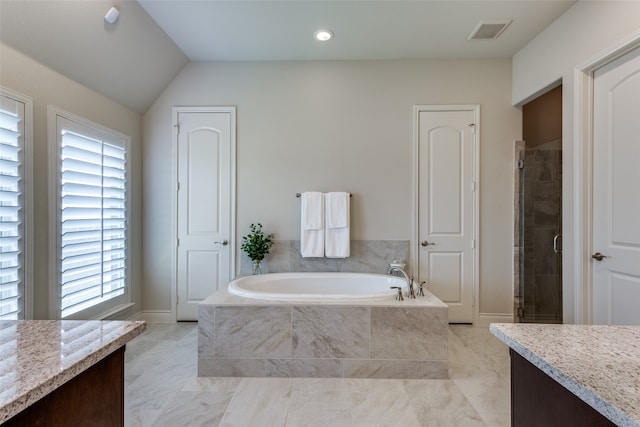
{"points": [[205, 202], [446, 208], [616, 193]]}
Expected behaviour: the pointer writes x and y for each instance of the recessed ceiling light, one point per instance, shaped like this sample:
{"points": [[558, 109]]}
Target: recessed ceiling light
{"points": [[323, 35]]}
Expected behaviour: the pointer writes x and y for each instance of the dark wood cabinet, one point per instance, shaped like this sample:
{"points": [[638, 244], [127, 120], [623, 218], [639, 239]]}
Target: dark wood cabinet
{"points": [[95, 397], [538, 400]]}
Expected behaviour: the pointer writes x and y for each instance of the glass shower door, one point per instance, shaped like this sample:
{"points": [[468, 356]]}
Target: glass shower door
{"points": [[541, 242]]}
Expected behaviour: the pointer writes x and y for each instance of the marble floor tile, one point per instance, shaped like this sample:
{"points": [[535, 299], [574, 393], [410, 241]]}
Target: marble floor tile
{"points": [[152, 392], [141, 417], [379, 402], [194, 409], [490, 349], [319, 402], [162, 388], [259, 402], [486, 390], [229, 384], [440, 403]]}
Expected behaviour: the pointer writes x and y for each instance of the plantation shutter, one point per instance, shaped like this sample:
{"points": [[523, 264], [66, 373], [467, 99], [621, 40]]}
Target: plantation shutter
{"points": [[12, 215], [93, 217]]}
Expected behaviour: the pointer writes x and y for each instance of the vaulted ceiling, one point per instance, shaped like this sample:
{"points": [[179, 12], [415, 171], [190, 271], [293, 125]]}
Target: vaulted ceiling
{"points": [[132, 60]]}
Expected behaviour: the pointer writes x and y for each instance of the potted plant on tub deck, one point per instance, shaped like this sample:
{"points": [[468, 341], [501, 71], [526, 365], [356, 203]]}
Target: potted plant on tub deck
{"points": [[256, 245]]}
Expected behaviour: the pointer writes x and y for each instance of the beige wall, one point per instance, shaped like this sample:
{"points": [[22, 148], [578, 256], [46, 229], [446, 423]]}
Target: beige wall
{"points": [[47, 87], [584, 31], [342, 125]]}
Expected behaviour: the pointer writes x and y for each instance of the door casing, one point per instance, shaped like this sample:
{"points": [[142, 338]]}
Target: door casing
{"points": [[578, 309]]}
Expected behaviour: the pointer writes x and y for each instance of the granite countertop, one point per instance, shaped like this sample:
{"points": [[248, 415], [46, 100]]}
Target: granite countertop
{"points": [[38, 356], [599, 364]]}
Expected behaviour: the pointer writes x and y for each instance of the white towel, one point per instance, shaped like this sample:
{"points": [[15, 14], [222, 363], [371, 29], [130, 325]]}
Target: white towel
{"points": [[337, 210], [312, 209], [337, 232], [312, 224]]}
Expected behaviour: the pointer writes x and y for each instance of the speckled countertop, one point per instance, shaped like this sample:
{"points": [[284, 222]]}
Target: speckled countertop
{"points": [[599, 364], [38, 356]]}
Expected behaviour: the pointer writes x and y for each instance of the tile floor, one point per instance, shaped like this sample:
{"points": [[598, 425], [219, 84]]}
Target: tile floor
{"points": [[162, 389]]}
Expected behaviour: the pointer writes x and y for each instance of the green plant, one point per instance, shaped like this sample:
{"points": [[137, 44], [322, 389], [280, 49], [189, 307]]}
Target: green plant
{"points": [[256, 244]]}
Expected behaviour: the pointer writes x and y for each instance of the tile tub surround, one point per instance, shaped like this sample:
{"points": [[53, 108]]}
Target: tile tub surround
{"points": [[367, 256], [38, 356], [597, 363], [242, 337]]}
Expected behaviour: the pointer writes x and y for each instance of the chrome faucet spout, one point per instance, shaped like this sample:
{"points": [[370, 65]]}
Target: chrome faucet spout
{"points": [[411, 293]]}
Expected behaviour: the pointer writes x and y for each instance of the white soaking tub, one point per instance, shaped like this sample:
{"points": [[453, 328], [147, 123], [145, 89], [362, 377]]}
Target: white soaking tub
{"points": [[316, 286]]}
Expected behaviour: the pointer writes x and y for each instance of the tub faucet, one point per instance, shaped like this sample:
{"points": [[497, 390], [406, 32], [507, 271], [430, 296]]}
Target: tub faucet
{"points": [[411, 293]]}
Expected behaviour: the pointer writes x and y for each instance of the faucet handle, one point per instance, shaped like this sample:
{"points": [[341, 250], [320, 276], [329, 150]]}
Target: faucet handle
{"points": [[399, 296], [411, 293], [421, 289]]}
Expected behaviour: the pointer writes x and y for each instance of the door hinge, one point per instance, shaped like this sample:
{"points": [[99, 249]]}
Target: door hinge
{"points": [[177, 125], [473, 244], [178, 242], [473, 127], [177, 299], [520, 164], [520, 313], [473, 187], [177, 186]]}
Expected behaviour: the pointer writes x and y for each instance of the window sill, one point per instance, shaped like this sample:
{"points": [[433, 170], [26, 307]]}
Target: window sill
{"points": [[115, 310]]}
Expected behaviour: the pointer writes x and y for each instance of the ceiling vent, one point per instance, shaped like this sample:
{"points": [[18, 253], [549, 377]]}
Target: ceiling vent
{"points": [[487, 30]]}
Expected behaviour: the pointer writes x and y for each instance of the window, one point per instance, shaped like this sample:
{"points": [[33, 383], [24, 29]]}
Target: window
{"points": [[92, 217], [15, 215]]}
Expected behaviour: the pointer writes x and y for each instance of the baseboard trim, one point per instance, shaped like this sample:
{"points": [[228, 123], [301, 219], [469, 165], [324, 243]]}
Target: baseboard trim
{"points": [[155, 316], [484, 319]]}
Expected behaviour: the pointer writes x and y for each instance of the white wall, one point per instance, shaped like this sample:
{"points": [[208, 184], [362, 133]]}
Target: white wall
{"points": [[47, 87], [581, 33], [342, 125]]}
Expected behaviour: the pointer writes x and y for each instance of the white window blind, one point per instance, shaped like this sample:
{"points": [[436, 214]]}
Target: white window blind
{"points": [[12, 204], [93, 217]]}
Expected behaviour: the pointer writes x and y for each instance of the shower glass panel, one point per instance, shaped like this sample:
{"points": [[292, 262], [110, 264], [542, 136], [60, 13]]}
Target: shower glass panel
{"points": [[540, 225]]}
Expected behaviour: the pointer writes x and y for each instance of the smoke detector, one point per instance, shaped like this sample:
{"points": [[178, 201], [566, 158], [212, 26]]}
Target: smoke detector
{"points": [[486, 30]]}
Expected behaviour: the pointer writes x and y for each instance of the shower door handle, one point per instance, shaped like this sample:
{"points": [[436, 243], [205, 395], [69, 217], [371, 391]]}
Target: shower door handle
{"points": [[555, 243]]}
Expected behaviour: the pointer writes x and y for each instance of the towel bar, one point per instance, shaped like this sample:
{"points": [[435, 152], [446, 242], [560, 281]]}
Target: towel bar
{"points": [[298, 195]]}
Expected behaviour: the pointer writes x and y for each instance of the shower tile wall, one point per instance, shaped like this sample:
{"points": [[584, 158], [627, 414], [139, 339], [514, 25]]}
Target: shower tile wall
{"points": [[542, 291], [367, 256]]}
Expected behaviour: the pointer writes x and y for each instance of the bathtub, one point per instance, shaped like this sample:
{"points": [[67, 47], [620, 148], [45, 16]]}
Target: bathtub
{"points": [[316, 286], [327, 325]]}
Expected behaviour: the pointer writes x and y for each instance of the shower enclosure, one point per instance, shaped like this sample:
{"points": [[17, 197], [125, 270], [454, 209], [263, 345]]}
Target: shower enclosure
{"points": [[538, 242]]}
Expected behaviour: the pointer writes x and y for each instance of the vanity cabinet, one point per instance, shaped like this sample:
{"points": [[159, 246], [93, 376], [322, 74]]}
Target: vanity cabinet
{"points": [[538, 400]]}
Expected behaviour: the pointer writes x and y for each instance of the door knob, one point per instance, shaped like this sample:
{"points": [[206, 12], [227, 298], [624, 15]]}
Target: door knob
{"points": [[598, 256], [425, 243], [225, 242]]}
